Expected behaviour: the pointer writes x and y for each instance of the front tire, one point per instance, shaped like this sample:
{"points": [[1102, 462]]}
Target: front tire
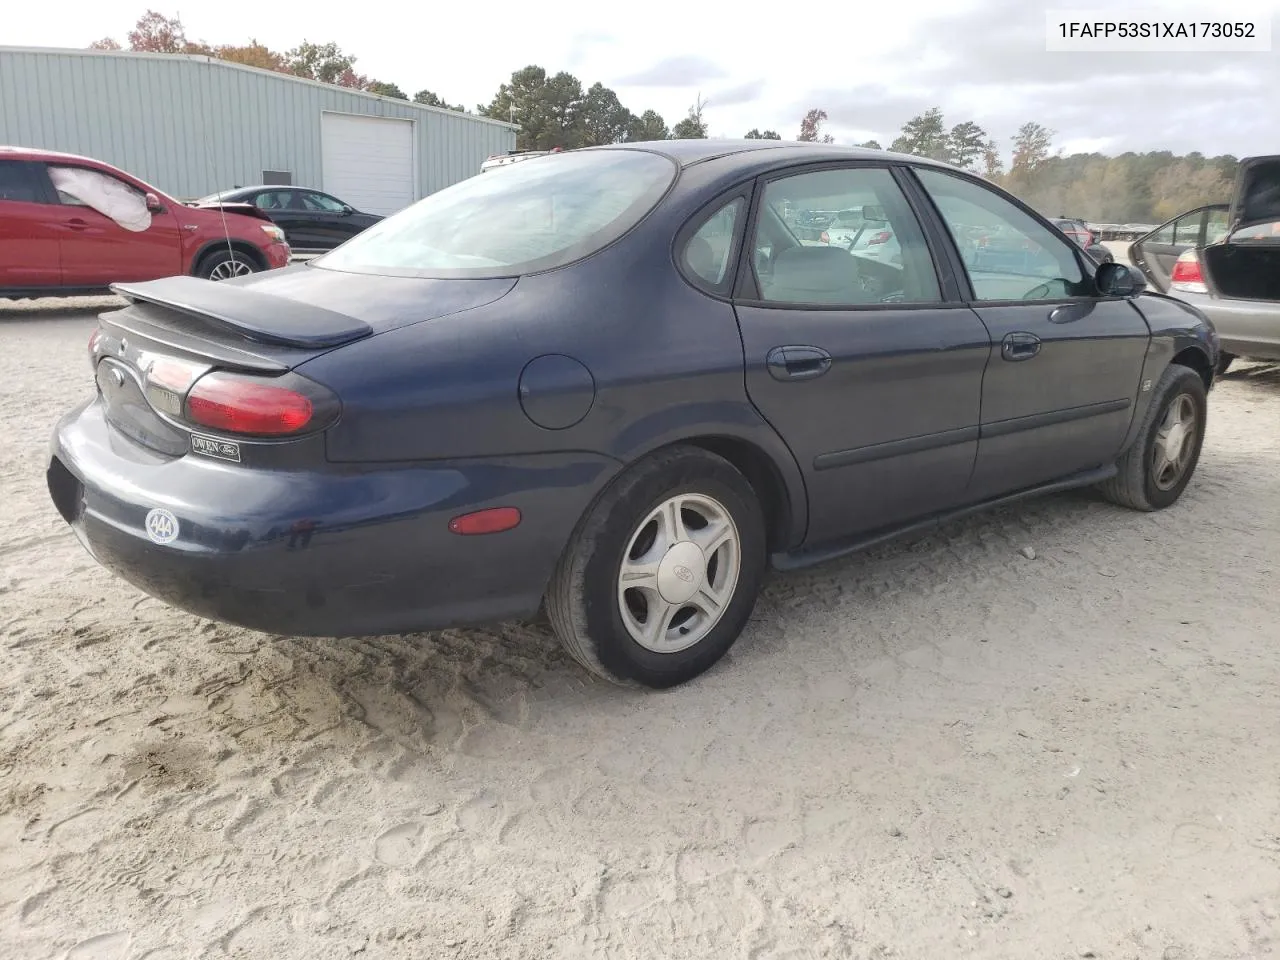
{"points": [[224, 264], [1157, 468], [663, 572]]}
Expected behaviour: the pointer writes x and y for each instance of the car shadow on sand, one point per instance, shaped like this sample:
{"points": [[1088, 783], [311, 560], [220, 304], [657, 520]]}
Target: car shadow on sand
{"points": [[472, 690], [54, 308], [1254, 374]]}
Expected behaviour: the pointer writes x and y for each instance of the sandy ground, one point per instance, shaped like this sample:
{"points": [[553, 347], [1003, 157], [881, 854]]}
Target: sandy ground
{"points": [[937, 749]]}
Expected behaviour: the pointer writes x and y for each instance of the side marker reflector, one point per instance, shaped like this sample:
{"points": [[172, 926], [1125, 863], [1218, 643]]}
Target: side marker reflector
{"points": [[494, 520]]}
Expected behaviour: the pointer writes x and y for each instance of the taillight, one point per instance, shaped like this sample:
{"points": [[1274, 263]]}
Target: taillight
{"points": [[1187, 275], [881, 237], [257, 406], [825, 238]]}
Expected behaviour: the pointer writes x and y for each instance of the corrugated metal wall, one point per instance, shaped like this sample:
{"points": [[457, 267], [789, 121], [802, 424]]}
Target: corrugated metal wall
{"points": [[191, 126]]}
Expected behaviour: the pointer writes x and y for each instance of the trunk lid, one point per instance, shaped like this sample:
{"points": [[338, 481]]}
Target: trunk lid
{"points": [[1255, 198], [148, 355]]}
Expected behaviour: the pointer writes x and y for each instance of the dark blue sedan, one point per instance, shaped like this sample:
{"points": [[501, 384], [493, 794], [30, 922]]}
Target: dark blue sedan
{"points": [[616, 384]]}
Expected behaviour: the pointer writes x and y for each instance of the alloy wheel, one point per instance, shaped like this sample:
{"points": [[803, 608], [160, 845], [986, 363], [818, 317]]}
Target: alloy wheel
{"points": [[679, 573], [1175, 442]]}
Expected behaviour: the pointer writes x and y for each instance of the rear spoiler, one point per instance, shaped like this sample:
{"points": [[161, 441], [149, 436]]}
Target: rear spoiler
{"points": [[254, 316]]}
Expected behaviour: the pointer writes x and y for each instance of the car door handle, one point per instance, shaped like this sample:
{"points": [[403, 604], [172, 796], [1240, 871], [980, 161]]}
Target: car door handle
{"points": [[797, 362], [1019, 346], [77, 224]]}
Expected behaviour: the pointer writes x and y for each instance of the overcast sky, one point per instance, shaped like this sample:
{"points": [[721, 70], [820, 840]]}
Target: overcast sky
{"points": [[871, 66]]}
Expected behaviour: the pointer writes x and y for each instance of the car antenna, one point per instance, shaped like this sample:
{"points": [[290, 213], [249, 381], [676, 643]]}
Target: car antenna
{"points": [[222, 211]]}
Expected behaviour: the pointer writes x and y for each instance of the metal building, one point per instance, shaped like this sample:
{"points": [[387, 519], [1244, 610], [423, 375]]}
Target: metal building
{"points": [[193, 125]]}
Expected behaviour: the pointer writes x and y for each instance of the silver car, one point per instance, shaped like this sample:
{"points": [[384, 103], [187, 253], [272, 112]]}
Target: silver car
{"points": [[1226, 262]]}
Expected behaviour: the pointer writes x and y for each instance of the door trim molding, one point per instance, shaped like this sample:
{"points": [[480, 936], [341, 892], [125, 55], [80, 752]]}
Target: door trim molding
{"points": [[1003, 428], [894, 448]]}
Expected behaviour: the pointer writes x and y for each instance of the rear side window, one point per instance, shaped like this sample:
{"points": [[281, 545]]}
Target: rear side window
{"points": [[889, 262], [17, 183], [534, 215], [706, 254], [275, 200], [1186, 230], [1215, 226]]}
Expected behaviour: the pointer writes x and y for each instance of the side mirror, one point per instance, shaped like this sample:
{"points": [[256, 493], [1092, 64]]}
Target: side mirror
{"points": [[154, 204], [874, 213], [1119, 280], [347, 210]]}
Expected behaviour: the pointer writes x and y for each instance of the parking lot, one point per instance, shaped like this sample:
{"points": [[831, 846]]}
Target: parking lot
{"points": [[1050, 731]]}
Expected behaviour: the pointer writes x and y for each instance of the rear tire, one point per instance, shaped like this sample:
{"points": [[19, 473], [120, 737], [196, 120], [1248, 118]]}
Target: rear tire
{"points": [[224, 264], [662, 574], [1157, 468]]}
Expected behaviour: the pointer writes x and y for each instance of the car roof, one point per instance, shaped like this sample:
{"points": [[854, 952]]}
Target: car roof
{"points": [[30, 153], [270, 186], [749, 153]]}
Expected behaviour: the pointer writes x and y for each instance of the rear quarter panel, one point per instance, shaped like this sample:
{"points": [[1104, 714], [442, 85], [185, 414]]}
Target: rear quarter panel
{"points": [[665, 364]]}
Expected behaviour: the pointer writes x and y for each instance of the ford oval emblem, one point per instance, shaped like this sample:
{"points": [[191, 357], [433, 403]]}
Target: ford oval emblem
{"points": [[684, 573], [162, 526]]}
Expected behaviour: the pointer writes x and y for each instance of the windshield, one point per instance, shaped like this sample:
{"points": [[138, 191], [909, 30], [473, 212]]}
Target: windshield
{"points": [[215, 196], [538, 214]]}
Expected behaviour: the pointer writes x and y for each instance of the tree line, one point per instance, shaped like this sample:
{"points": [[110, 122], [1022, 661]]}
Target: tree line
{"points": [[557, 110], [1132, 187]]}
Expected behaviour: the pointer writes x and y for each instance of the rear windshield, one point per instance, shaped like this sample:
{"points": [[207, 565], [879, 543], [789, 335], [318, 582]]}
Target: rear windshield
{"points": [[530, 216]]}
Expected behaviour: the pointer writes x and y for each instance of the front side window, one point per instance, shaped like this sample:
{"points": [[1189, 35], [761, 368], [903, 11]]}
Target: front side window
{"points": [[319, 203], [706, 254], [885, 260], [1163, 235], [539, 214], [17, 184], [109, 196], [1007, 253]]}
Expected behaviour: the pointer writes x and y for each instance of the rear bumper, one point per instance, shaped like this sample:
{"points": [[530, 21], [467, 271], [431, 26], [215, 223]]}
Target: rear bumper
{"points": [[335, 551]]}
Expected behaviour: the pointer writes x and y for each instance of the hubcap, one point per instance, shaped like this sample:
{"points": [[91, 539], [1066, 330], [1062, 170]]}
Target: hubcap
{"points": [[678, 573], [1175, 443], [230, 268]]}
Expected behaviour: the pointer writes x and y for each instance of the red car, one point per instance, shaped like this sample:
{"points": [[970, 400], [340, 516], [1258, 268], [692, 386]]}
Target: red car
{"points": [[71, 226]]}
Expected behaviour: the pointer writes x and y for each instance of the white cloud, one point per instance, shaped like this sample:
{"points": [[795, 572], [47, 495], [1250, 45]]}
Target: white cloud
{"points": [[871, 66]]}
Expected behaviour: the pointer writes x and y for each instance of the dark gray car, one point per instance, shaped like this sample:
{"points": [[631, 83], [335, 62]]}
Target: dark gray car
{"points": [[615, 382], [312, 221], [1225, 261]]}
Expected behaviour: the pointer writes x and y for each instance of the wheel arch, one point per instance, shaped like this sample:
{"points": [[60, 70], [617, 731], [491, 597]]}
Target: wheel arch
{"points": [[766, 479], [772, 473], [1197, 358], [236, 244]]}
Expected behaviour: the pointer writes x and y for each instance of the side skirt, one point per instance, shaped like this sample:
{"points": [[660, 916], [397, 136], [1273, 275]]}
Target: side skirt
{"points": [[798, 559]]}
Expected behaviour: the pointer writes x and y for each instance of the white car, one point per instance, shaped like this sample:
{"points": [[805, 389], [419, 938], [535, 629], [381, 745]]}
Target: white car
{"points": [[878, 242]]}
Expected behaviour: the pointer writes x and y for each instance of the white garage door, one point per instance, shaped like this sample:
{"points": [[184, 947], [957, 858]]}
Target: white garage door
{"points": [[368, 161]]}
